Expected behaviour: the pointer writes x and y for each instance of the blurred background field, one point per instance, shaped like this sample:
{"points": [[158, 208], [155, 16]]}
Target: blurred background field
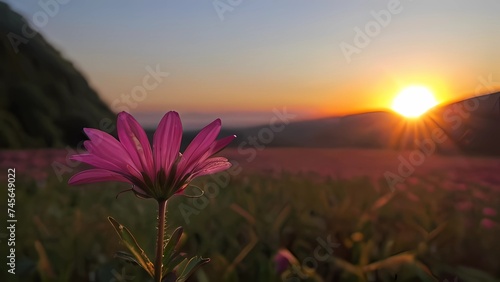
{"points": [[443, 222]]}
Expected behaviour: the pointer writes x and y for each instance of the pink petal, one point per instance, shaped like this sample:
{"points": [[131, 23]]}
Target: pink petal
{"points": [[96, 175], [106, 146], [489, 211], [119, 158], [103, 139], [134, 172], [136, 143], [487, 223], [210, 166], [167, 141], [211, 160], [220, 144], [97, 162], [198, 147]]}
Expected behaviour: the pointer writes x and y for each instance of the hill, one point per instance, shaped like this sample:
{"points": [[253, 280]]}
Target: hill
{"points": [[44, 100], [468, 126]]}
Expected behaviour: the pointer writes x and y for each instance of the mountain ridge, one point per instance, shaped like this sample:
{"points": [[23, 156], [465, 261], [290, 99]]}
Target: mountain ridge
{"points": [[469, 126], [44, 99]]}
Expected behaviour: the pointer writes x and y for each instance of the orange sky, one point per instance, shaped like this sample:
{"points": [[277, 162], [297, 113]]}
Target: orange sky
{"points": [[260, 55]]}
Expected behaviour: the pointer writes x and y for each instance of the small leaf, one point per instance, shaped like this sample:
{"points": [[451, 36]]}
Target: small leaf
{"points": [[44, 266], [126, 257], [173, 263], [170, 252], [391, 262], [424, 273], [281, 218], [181, 266], [191, 267], [130, 242]]}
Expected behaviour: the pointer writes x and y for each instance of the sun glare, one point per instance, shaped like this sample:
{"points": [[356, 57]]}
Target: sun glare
{"points": [[414, 101]]}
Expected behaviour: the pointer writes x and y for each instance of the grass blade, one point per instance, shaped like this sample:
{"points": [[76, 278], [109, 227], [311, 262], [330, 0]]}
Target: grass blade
{"points": [[131, 244], [169, 252], [191, 267]]}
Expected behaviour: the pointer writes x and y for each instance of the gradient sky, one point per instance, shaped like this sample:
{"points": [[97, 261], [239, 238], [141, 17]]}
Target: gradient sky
{"points": [[262, 55]]}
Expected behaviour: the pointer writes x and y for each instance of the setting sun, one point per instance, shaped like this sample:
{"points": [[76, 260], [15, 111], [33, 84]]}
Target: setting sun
{"points": [[413, 101]]}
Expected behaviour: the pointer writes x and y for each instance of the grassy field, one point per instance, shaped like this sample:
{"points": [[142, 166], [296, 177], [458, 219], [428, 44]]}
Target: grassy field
{"points": [[441, 224]]}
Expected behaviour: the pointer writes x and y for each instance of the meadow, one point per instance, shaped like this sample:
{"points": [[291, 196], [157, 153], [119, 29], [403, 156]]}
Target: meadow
{"points": [[332, 211]]}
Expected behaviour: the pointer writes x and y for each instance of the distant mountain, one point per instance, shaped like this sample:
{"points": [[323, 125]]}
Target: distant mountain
{"points": [[472, 125], [468, 126], [44, 100]]}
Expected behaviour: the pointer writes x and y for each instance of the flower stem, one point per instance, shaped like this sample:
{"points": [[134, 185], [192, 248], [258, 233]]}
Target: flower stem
{"points": [[162, 205]]}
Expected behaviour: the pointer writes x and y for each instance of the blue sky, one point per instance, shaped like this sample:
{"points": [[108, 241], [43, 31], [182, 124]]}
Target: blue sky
{"points": [[261, 55]]}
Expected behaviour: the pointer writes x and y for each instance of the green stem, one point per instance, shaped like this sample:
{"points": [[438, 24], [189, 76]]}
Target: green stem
{"points": [[162, 205]]}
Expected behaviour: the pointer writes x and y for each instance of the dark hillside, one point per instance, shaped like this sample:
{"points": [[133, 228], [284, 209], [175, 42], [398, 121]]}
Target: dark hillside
{"points": [[44, 100]]}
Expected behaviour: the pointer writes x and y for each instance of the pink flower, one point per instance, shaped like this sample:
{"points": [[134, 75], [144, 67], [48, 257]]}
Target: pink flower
{"points": [[283, 259], [155, 173], [489, 211], [487, 223]]}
